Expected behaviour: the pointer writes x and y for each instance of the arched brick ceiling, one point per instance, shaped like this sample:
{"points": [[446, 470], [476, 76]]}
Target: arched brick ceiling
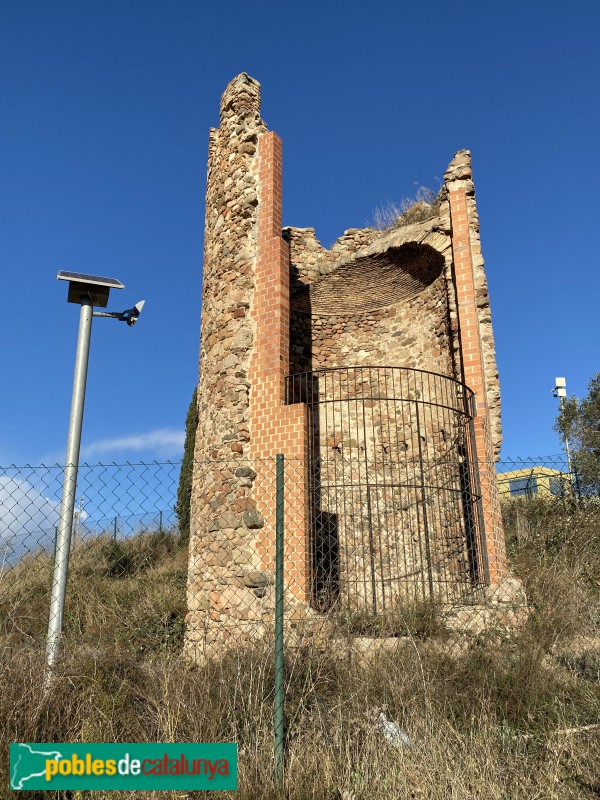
{"points": [[374, 281]]}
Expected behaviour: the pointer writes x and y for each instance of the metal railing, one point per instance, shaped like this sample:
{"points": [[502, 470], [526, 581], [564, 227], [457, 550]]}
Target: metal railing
{"points": [[394, 493]]}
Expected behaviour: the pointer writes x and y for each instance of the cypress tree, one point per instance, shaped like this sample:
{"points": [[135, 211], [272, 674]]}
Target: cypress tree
{"points": [[184, 492]]}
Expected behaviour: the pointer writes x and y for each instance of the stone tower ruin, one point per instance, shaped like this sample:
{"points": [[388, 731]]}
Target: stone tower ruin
{"points": [[370, 366]]}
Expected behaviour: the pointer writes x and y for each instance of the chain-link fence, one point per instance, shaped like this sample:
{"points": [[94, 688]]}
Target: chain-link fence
{"points": [[368, 568], [127, 566], [380, 571]]}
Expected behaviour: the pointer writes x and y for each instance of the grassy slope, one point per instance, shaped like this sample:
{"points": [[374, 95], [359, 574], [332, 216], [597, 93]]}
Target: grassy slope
{"points": [[483, 723]]}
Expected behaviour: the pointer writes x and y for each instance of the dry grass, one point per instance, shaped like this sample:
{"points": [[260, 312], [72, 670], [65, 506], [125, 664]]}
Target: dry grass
{"points": [[487, 722], [125, 595], [418, 619], [410, 209]]}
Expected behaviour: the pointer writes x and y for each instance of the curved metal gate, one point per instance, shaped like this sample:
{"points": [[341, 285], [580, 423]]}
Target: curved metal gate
{"points": [[394, 491]]}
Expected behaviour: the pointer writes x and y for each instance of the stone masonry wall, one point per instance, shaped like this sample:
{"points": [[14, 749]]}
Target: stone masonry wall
{"points": [[310, 261], [411, 334], [388, 497], [375, 300], [348, 313], [227, 331], [224, 520], [276, 302], [421, 330], [243, 419]]}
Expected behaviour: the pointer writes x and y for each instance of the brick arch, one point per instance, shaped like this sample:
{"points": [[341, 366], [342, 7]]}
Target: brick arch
{"points": [[371, 282]]}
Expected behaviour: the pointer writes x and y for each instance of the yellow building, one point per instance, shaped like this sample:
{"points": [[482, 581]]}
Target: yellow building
{"points": [[534, 480]]}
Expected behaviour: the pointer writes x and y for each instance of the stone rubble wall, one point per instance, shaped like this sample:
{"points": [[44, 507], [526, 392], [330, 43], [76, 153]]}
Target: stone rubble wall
{"points": [[384, 441], [224, 521], [227, 331], [414, 334], [353, 337], [309, 261], [419, 331], [375, 298], [358, 443]]}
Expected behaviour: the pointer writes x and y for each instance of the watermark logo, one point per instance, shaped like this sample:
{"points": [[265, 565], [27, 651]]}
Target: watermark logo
{"points": [[122, 766]]}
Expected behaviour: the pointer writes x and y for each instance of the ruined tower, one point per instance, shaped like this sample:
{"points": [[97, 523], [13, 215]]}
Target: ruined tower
{"points": [[370, 366]]}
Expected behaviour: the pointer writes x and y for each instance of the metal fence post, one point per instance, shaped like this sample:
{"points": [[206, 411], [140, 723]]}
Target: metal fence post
{"points": [[279, 668]]}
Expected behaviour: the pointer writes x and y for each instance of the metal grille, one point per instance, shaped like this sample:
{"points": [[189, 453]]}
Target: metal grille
{"points": [[394, 492]]}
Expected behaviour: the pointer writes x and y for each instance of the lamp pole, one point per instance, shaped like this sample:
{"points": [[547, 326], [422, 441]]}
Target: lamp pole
{"points": [[67, 503], [88, 291], [560, 391], [568, 452]]}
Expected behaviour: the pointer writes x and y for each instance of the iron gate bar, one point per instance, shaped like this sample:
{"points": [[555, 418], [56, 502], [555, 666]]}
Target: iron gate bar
{"points": [[441, 487], [399, 399], [479, 496], [391, 481], [424, 502]]}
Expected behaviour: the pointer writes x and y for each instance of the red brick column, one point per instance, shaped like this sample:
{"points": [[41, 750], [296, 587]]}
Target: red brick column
{"points": [[474, 377], [274, 426]]}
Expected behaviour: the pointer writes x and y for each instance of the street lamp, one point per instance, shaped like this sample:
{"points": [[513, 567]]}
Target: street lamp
{"points": [[87, 291], [560, 391]]}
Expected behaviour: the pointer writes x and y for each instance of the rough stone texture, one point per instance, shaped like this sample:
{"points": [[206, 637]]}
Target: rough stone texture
{"points": [[384, 463], [414, 333], [276, 302], [227, 331], [222, 546], [362, 256], [503, 607], [377, 299]]}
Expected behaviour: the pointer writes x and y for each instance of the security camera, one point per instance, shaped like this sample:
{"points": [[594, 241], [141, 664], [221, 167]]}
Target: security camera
{"points": [[131, 315]]}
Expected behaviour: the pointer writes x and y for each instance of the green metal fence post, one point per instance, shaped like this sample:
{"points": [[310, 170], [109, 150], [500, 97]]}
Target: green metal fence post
{"points": [[279, 697], [115, 529]]}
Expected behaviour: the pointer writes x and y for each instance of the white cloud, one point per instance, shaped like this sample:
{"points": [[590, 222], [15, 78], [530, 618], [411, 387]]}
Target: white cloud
{"points": [[27, 519], [164, 442]]}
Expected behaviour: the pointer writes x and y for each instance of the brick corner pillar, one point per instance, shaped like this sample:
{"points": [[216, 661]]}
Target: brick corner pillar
{"points": [[274, 426], [463, 215]]}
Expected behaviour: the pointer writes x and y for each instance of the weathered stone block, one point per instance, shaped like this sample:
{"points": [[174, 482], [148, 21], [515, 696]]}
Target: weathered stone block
{"points": [[258, 580], [252, 519], [245, 472]]}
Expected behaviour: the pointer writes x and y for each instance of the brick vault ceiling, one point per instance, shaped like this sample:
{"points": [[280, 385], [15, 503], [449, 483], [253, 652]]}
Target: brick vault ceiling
{"points": [[371, 282]]}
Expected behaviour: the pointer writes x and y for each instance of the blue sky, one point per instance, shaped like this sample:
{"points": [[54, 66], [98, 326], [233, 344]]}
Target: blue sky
{"points": [[106, 109]]}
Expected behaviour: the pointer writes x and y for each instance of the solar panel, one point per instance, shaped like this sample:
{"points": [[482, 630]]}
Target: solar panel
{"points": [[113, 283]]}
